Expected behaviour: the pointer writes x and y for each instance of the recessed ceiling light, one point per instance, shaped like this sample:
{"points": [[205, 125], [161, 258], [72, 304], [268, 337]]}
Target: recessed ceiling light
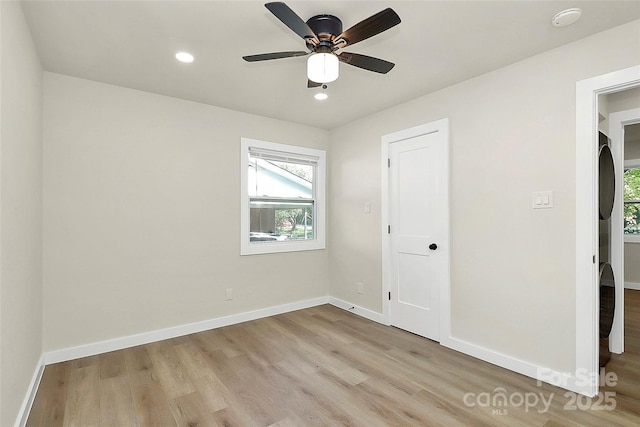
{"points": [[566, 17], [320, 96], [184, 57]]}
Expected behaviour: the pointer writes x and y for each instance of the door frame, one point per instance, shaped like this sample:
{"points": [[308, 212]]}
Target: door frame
{"points": [[441, 126], [587, 221], [617, 122]]}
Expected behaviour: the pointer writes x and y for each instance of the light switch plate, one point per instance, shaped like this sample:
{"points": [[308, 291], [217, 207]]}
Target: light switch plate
{"points": [[542, 199]]}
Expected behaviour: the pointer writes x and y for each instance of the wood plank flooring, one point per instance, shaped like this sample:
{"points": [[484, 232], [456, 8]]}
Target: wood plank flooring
{"points": [[320, 366]]}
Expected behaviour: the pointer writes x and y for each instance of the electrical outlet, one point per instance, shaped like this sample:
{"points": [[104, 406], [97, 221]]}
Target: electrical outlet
{"points": [[228, 294], [360, 287]]}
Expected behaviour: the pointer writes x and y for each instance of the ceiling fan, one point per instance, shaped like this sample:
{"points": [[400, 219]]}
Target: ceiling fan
{"points": [[323, 36]]}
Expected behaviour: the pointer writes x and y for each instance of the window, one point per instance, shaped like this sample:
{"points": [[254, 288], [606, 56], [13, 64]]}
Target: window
{"points": [[631, 194], [282, 198]]}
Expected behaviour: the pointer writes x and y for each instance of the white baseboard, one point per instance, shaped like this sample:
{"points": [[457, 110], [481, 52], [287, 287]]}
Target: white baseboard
{"points": [[559, 379], [360, 311], [25, 408], [632, 285], [106, 346], [175, 331], [563, 380]]}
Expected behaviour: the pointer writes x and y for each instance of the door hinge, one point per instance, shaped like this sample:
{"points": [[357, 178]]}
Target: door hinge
{"points": [[389, 296], [388, 229], [594, 259], [388, 163]]}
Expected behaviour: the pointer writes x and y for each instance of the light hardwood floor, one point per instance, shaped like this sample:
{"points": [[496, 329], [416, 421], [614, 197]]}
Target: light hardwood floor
{"points": [[319, 366]]}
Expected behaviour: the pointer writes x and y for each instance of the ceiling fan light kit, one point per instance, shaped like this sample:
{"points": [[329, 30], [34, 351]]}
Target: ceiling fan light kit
{"points": [[323, 37], [323, 67]]}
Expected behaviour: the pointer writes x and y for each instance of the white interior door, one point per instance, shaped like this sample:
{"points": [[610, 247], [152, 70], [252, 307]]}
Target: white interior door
{"points": [[418, 216]]}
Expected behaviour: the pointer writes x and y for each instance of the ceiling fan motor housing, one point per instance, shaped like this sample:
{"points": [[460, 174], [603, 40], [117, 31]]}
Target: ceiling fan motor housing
{"points": [[326, 27]]}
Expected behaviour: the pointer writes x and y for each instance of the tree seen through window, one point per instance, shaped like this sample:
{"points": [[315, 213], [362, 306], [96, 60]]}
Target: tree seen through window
{"points": [[632, 201]]}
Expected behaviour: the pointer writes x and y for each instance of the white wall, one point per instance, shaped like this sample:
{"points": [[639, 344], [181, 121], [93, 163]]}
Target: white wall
{"points": [[20, 211], [632, 263], [632, 148], [615, 102], [512, 133], [624, 100], [141, 204]]}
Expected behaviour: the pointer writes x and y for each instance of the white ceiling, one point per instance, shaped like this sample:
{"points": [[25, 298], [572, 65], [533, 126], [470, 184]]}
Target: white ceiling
{"points": [[438, 43]]}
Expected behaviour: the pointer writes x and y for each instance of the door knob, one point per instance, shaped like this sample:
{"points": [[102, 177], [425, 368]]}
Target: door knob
{"points": [[433, 246]]}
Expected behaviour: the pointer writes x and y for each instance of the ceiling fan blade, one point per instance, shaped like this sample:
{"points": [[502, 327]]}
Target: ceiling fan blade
{"points": [[311, 84], [274, 55], [371, 26], [366, 62], [291, 20]]}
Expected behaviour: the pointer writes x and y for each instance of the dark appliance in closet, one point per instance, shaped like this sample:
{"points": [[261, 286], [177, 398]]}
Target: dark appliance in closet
{"points": [[606, 194]]}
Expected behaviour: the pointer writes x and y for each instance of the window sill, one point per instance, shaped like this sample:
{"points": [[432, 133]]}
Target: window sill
{"points": [[272, 248], [632, 238]]}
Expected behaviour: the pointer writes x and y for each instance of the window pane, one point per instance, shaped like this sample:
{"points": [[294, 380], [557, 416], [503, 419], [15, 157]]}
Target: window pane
{"points": [[269, 178], [278, 220], [632, 201], [632, 218], [283, 198]]}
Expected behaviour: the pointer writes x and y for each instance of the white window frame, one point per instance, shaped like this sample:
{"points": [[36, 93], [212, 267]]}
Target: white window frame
{"points": [[631, 164], [319, 185]]}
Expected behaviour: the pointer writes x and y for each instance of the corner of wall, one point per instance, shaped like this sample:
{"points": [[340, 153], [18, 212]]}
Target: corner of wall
{"points": [[20, 216]]}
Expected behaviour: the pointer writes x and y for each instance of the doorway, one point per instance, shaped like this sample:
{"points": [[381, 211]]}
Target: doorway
{"points": [[585, 378], [416, 229]]}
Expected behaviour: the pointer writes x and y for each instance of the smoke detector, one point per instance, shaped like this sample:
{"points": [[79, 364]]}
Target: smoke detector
{"points": [[566, 17]]}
